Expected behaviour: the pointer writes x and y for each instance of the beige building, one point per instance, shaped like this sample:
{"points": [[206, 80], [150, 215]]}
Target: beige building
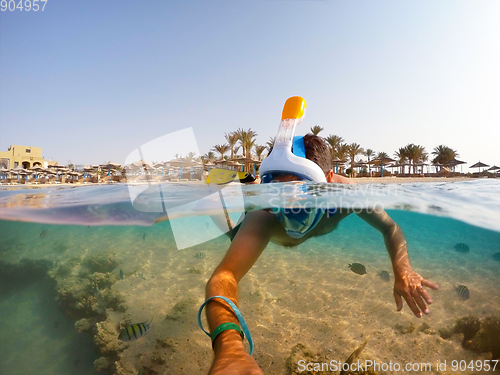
{"points": [[24, 156]]}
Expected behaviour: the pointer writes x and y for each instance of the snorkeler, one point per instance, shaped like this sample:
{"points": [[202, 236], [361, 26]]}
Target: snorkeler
{"points": [[310, 160]]}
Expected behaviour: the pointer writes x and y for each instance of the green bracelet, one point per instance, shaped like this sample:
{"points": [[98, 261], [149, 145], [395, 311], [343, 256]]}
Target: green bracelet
{"points": [[223, 327]]}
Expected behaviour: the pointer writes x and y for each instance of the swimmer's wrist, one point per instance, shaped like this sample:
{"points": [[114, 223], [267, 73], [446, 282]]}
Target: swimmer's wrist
{"points": [[227, 339]]}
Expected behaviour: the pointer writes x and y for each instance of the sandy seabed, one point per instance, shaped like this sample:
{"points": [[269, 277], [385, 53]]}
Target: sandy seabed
{"points": [[301, 303]]}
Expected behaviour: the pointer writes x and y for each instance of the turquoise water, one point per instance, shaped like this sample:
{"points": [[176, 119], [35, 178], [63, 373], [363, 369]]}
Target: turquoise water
{"points": [[63, 300]]}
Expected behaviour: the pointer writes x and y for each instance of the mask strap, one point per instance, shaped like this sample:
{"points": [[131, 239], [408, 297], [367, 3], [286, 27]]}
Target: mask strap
{"points": [[298, 146]]}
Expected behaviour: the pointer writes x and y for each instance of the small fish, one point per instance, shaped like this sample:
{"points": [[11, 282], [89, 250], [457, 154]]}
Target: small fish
{"points": [[144, 236], [96, 292], [462, 248], [496, 257], [199, 255], [353, 357], [122, 274], [463, 292], [134, 331], [43, 233], [357, 268], [384, 275]]}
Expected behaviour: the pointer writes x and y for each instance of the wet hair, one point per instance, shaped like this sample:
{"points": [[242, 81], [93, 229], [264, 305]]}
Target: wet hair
{"points": [[317, 150]]}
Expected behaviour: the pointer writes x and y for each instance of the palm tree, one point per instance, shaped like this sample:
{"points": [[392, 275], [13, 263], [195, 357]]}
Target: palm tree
{"points": [[231, 139], [247, 140], [316, 129], [190, 156], [443, 154], [236, 149], [334, 141], [209, 156], [415, 154], [259, 150], [369, 153], [402, 157], [221, 149], [270, 144], [342, 152], [382, 155], [354, 149]]}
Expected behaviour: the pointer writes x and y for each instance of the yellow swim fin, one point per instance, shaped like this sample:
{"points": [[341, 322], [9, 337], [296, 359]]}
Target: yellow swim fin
{"points": [[221, 176]]}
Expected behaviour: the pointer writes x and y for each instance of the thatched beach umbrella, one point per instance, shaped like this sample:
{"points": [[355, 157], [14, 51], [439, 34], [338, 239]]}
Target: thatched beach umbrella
{"points": [[380, 163], [36, 170], [493, 169], [479, 165], [337, 161], [360, 164], [4, 172], [110, 166], [453, 163], [58, 168]]}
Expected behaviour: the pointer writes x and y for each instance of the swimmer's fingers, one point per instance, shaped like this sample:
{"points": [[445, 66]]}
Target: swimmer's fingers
{"points": [[399, 301], [426, 296], [412, 299], [419, 295], [429, 284]]}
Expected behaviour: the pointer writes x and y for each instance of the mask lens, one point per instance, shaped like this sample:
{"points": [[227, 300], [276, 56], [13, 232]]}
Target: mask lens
{"points": [[280, 177]]}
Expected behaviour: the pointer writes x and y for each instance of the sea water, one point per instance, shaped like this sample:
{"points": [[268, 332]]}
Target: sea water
{"points": [[79, 264]]}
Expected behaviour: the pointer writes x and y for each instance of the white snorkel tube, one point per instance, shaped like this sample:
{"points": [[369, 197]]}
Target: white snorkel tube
{"points": [[282, 160]]}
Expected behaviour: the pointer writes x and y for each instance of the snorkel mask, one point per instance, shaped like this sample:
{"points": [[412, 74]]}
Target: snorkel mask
{"points": [[282, 161]]}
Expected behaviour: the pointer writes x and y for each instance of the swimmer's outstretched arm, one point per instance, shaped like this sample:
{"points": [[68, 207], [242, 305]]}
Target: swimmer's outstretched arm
{"points": [[255, 233], [407, 283]]}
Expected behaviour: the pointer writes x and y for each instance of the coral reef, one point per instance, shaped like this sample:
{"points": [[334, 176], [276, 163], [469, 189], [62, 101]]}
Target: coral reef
{"points": [[102, 263], [480, 335], [84, 290]]}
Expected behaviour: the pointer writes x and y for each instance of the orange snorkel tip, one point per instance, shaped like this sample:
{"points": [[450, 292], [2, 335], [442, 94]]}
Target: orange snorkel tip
{"points": [[294, 108]]}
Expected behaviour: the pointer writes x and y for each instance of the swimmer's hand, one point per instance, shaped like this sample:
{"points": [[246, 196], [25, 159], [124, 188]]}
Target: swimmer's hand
{"points": [[410, 286], [232, 359]]}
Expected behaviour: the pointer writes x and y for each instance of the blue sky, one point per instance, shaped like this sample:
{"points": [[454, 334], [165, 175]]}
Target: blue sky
{"points": [[90, 81]]}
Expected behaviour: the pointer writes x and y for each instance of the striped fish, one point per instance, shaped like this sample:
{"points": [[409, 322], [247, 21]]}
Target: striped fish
{"points": [[135, 331], [199, 255], [463, 292], [496, 257], [384, 275], [43, 233], [462, 248]]}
